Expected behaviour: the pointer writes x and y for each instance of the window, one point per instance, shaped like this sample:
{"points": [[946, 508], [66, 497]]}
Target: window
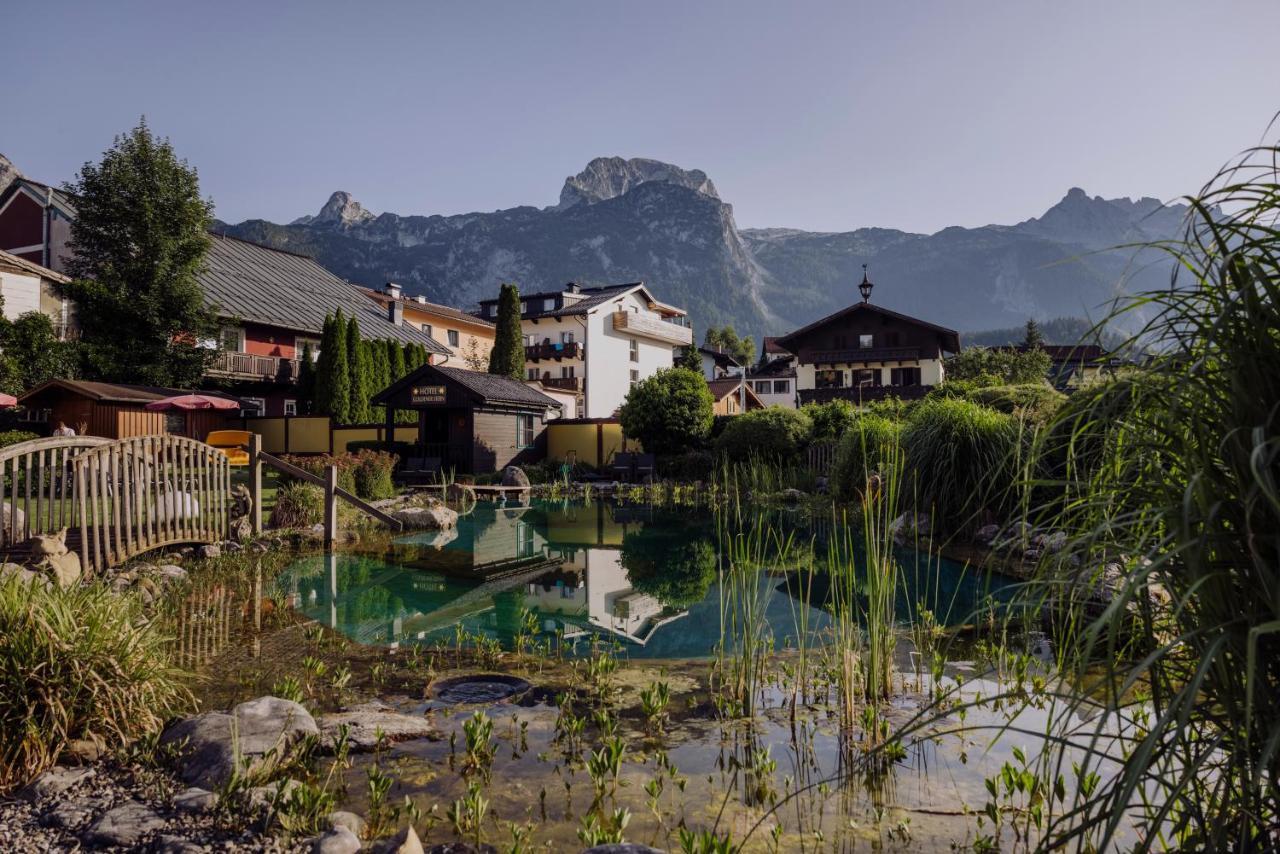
{"points": [[635, 351], [301, 341], [866, 376], [291, 407], [232, 339], [761, 387], [865, 341], [828, 379], [782, 386], [532, 373], [566, 337], [524, 431], [530, 340], [253, 406], [426, 327], [453, 338], [548, 305], [904, 376], [567, 371], [175, 423], [635, 376]]}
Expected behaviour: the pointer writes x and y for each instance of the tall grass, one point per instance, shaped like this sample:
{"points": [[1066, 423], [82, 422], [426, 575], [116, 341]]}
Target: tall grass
{"points": [[76, 663], [1172, 475]]}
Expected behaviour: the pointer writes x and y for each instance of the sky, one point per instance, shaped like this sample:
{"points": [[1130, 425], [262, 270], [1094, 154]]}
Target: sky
{"points": [[822, 116]]}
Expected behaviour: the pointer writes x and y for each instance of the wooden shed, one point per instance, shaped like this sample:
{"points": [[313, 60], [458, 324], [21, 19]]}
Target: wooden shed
{"points": [[474, 422], [117, 411]]}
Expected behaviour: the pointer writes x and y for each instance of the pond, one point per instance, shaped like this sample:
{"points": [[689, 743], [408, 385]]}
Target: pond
{"points": [[644, 577]]}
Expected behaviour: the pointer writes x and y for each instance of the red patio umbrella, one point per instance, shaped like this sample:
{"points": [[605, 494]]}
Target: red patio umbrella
{"points": [[193, 401], [8, 400]]}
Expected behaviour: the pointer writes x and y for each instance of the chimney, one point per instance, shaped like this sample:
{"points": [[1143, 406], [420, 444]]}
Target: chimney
{"points": [[572, 288], [393, 290], [395, 312]]}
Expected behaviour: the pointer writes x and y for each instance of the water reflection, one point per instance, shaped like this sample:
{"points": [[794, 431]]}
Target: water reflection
{"points": [[642, 575]]}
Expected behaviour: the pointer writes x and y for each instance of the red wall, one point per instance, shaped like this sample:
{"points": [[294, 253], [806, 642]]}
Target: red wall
{"points": [[22, 224], [266, 341]]}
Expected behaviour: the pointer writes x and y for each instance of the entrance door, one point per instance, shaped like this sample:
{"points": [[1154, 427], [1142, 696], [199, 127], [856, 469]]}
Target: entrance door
{"points": [[435, 435]]}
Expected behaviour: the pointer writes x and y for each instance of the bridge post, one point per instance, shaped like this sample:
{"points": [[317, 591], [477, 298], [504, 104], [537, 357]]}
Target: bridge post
{"points": [[330, 505], [255, 480]]}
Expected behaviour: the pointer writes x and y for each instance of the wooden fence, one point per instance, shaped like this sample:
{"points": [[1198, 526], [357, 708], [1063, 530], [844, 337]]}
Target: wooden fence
{"points": [[821, 457], [36, 487]]}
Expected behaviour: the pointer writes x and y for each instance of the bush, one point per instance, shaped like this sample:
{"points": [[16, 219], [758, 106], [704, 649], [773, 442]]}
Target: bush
{"points": [[401, 450], [74, 663], [1007, 365], [830, 419], [1036, 401], [668, 413], [862, 452], [373, 475], [13, 437], [689, 466], [773, 434], [298, 505], [962, 459]]}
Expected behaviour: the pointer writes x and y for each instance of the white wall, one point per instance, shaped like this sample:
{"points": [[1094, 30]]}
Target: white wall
{"points": [[21, 294], [787, 399], [931, 372], [609, 362]]}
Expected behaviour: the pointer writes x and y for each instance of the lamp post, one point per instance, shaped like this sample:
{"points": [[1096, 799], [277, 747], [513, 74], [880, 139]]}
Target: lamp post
{"points": [[866, 286]]}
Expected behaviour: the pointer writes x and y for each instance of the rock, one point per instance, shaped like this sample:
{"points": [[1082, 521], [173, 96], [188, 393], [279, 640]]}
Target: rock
{"points": [[241, 529], [54, 782], [434, 518], [911, 527], [340, 840], [1055, 542], [461, 493], [195, 800], [460, 848], [1032, 554], [169, 844], [515, 476], [364, 721], [82, 751], [262, 726], [231, 547], [71, 814], [259, 547], [210, 550], [125, 825], [170, 572], [986, 535], [349, 820], [19, 571], [1016, 537], [404, 842], [13, 520], [792, 496], [261, 797]]}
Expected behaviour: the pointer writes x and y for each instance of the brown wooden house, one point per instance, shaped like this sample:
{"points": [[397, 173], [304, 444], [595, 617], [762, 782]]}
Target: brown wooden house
{"points": [[118, 411], [473, 422]]}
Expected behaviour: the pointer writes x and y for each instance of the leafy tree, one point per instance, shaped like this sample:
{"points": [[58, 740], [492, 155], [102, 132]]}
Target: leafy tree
{"points": [[992, 366], [726, 338], [669, 412], [138, 243], [471, 354], [690, 359], [673, 564], [31, 354], [830, 419], [333, 375], [361, 374], [507, 356], [775, 434], [307, 379], [1032, 340]]}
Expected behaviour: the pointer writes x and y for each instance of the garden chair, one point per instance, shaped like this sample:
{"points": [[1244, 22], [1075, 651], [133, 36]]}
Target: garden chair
{"points": [[644, 466], [622, 466]]}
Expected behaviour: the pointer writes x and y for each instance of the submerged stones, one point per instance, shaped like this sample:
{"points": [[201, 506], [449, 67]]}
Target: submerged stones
{"points": [[365, 722], [479, 688], [260, 731]]}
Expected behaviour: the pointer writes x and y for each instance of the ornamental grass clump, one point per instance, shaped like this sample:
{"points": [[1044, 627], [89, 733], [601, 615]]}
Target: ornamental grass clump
{"points": [[77, 663], [298, 505], [963, 461], [863, 453]]}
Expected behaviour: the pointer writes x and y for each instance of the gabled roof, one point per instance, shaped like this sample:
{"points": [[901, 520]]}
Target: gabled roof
{"points": [[773, 369], [591, 298], [429, 307], [44, 194], [951, 338], [484, 388], [115, 392], [728, 387], [258, 284], [720, 357], [773, 348], [14, 262]]}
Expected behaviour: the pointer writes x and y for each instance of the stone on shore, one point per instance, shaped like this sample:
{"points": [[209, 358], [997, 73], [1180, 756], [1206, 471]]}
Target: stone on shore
{"points": [[364, 721], [124, 826], [263, 730], [340, 840], [435, 517], [54, 782]]}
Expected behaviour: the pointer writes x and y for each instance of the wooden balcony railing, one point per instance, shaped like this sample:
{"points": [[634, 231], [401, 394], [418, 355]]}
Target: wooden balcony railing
{"points": [[539, 352], [246, 366], [565, 383], [858, 355], [652, 326]]}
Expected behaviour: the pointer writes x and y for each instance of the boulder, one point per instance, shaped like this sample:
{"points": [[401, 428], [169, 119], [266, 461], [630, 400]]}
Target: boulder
{"points": [[910, 527], [170, 572], [13, 520], [349, 820], [24, 575], [1055, 542], [54, 782], [210, 550], [263, 730], [363, 723], [241, 529], [986, 535], [169, 844], [195, 800], [461, 493], [340, 840], [124, 826], [261, 797], [792, 496], [515, 476], [404, 842], [71, 813], [436, 517]]}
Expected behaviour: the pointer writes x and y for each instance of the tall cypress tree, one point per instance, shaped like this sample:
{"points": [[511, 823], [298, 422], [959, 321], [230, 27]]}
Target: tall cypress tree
{"points": [[395, 357], [361, 378], [507, 356], [307, 379], [326, 374], [340, 388], [381, 372]]}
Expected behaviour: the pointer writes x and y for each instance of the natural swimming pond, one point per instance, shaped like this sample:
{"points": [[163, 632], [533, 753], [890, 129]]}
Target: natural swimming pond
{"points": [[642, 576]]}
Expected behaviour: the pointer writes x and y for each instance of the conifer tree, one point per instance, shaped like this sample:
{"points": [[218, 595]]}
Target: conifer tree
{"points": [[339, 400], [361, 377], [691, 359], [381, 372], [1033, 340], [507, 356], [396, 356], [307, 379]]}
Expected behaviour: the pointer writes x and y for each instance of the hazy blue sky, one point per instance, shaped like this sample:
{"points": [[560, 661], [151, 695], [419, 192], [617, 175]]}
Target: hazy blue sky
{"points": [[811, 115]]}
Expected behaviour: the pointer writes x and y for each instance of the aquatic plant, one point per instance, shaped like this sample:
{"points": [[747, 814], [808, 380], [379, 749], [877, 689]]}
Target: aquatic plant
{"points": [[75, 663], [480, 749], [467, 813], [653, 705]]}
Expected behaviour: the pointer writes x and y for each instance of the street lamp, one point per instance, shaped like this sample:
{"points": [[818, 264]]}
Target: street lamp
{"points": [[866, 285]]}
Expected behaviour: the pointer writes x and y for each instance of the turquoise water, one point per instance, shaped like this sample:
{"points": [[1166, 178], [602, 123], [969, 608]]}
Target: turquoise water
{"points": [[644, 577]]}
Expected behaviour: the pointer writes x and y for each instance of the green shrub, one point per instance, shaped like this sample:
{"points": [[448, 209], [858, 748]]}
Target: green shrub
{"points": [[402, 450], [962, 459], [862, 452], [75, 663], [373, 475], [298, 505], [774, 434], [13, 437], [1036, 401], [316, 464], [689, 466], [668, 413], [830, 419]]}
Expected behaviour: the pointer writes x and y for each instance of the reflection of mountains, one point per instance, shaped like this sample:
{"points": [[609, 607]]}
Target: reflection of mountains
{"points": [[570, 565]]}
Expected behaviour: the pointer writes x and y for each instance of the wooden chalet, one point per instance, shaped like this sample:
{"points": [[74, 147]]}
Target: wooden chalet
{"points": [[116, 411]]}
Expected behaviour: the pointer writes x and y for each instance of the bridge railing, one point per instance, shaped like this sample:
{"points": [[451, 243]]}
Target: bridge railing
{"points": [[36, 487]]}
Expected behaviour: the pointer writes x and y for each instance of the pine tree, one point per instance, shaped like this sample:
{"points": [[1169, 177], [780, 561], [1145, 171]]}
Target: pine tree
{"points": [[361, 376], [340, 371], [1033, 340], [507, 356], [690, 358], [381, 372], [138, 242], [324, 397], [307, 379], [396, 355]]}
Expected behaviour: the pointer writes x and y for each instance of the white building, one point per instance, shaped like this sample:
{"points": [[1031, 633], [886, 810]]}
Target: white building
{"points": [[774, 378], [597, 342], [717, 364], [26, 286]]}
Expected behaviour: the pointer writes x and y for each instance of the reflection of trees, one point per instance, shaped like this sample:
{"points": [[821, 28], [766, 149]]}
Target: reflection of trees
{"points": [[674, 564]]}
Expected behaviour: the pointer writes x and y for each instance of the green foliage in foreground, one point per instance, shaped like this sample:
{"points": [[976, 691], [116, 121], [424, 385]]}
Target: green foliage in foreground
{"points": [[830, 419], [1036, 401], [866, 448], [670, 412], [75, 663], [774, 434]]}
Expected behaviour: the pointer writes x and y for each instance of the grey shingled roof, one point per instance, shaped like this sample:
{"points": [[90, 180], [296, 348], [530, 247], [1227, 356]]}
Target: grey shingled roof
{"points": [[257, 284], [490, 388], [593, 298]]}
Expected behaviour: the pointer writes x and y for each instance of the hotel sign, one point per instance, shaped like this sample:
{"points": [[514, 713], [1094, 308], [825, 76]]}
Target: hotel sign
{"points": [[427, 394]]}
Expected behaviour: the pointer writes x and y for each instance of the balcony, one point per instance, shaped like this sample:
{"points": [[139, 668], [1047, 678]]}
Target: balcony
{"points": [[861, 355], [563, 383], [653, 327], [246, 366], [862, 394], [547, 350]]}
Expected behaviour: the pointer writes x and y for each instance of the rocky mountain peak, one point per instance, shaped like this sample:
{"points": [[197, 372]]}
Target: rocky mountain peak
{"points": [[8, 173], [340, 211], [610, 177]]}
